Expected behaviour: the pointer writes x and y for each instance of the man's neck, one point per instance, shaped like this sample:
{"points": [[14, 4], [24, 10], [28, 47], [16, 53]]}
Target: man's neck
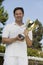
{"points": [[19, 23]]}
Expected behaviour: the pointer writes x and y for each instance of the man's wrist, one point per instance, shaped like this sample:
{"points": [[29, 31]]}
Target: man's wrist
{"points": [[16, 38], [26, 35]]}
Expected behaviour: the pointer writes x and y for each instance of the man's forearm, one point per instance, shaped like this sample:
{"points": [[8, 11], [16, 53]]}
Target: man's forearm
{"points": [[28, 41], [9, 40]]}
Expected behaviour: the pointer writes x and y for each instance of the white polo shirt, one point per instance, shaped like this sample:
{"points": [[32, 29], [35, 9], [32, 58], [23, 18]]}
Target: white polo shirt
{"points": [[18, 48]]}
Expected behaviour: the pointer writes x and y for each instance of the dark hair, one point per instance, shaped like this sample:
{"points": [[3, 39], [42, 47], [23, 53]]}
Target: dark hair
{"points": [[18, 8]]}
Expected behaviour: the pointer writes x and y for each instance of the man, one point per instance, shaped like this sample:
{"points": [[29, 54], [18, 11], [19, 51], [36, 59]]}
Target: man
{"points": [[16, 50]]}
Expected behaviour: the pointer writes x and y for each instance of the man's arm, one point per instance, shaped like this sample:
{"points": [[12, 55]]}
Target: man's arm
{"points": [[8, 40], [11, 40], [28, 41]]}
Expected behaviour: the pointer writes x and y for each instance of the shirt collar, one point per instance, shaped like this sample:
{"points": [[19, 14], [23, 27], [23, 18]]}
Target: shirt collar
{"points": [[17, 24]]}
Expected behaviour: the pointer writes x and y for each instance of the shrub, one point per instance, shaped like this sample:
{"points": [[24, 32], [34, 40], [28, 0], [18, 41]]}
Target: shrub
{"points": [[2, 49], [34, 52]]}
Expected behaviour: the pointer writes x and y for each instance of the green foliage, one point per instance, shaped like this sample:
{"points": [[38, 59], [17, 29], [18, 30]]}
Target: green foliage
{"points": [[1, 60], [37, 35], [42, 32], [34, 62], [34, 52], [3, 15], [2, 49], [1, 2], [1, 30], [36, 45], [0, 34]]}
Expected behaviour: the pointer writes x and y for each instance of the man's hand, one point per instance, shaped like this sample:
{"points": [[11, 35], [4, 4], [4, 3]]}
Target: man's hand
{"points": [[19, 38]]}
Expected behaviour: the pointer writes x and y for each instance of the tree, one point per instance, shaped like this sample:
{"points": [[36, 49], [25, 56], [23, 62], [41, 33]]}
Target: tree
{"points": [[37, 35], [1, 2], [3, 17], [42, 32]]}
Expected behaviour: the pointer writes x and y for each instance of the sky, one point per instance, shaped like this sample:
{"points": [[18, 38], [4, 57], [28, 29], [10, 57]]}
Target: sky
{"points": [[33, 9]]}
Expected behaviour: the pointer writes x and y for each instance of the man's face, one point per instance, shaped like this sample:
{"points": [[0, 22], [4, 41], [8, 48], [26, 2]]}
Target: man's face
{"points": [[18, 15]]}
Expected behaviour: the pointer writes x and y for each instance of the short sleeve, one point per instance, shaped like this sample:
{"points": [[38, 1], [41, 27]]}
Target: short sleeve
{"points": [[30, 35], [5, 32]]}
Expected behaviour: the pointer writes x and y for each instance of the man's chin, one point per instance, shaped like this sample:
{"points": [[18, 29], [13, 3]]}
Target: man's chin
{"points": [[19, 20]]}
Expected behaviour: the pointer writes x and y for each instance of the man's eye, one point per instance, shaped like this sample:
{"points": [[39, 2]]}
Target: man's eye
{"points": [[16, 13]]}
